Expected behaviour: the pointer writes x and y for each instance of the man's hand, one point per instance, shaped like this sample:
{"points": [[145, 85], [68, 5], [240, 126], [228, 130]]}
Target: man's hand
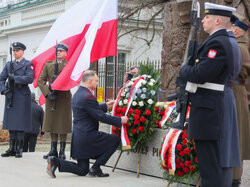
{"points": [[51, 96], [124, 119], [110, 103], [11, 76]]}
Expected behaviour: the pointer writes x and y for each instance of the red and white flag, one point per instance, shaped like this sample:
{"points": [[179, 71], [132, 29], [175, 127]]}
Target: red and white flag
{"points": [[89, 28]]}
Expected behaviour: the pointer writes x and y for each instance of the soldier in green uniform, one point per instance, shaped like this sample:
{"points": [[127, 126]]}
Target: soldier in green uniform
{"points": [[56, 121]]}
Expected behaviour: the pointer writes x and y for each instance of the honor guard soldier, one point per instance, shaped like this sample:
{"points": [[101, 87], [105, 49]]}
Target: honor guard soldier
{"points": [[14, 80], [58, 113], [207, 79], [240, 28]]}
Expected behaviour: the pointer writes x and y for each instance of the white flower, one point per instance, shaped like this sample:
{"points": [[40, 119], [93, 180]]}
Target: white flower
{"points": [[120, 103], [126, 89], [143, 82], [125, 101], [152, 92], [150, 101], [127, 95], [138, 91], [123, 94], [141, 103], [134, 103], [152, 80], [143, 96], [150, 84], [144, 90], [149, 76]]}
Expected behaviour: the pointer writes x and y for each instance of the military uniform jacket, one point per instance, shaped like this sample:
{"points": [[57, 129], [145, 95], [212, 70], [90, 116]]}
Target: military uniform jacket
{"points": [[58, 121], [213, 64], [18, 117], [87, 141], [242, 102]]}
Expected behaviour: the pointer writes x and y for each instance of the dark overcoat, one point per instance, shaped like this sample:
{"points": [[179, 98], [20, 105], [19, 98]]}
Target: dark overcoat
{"points": [[57, 121], [87, 141], [229, 143], [18, 117], [213, 64]]}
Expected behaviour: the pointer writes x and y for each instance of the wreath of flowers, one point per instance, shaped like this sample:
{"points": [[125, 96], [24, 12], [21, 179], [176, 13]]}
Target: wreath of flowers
{"points": [[185, 158], [142, 112]]}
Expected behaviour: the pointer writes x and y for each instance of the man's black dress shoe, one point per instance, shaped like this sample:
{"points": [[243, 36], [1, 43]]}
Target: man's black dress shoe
{"points": [[94, 172], [53, 163]]}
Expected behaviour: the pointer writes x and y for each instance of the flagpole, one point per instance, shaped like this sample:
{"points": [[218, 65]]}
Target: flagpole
{"points": [[115, 75], [106, 74]]}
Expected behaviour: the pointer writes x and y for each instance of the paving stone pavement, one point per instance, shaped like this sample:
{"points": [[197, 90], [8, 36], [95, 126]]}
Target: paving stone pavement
{"points": [[30, 171]]}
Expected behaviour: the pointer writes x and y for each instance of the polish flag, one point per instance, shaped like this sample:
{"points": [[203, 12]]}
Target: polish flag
{"points": [[89, 28]]}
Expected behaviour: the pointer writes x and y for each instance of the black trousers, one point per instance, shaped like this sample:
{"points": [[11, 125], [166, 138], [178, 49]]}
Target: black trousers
{"points": [[81, 168], [212, 174], [29, 142], [17, 135]]}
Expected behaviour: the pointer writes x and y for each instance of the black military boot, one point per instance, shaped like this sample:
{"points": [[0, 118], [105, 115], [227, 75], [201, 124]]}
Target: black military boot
{"points": [[53, 164], [19, 148], [11, 150], [53, 151], [62, 150]]}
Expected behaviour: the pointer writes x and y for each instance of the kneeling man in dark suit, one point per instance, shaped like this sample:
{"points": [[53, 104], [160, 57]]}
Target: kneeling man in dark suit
{"points": [[87, 142]]}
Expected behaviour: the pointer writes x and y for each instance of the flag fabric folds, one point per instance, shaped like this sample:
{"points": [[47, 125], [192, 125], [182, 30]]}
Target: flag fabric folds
{"points": [[89, 28]]}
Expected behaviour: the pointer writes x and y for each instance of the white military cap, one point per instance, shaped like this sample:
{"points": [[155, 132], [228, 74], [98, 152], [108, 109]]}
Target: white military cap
{"points": [[221, 10]]}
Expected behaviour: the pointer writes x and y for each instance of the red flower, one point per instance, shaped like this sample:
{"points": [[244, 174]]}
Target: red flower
{"points": [[184, 142], [186, 151], [196, 160], [136, 116], [130, 111], [177, 160], [133, 131], [118, 110], [142, 119], [182, 154], [188, 163], [179, 147], [194, 148], [162, 113], [148, 112], [184, 136], [180, 173], [181, 164], [141, 129], [186, 170], [193, 168], [157, 109], [137, 111], [124, 110], [137, 122], [178, 165]]}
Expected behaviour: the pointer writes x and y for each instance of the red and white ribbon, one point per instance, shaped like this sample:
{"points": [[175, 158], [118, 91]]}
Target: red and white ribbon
{"points": [[169, 109]]}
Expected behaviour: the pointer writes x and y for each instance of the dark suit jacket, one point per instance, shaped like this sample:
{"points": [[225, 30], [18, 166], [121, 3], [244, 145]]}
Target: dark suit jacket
{"points": [[87, 141], [207, 106]]}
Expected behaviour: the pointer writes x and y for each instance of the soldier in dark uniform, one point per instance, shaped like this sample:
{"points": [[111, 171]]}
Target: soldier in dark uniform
{"points": [[87, 142], [58, 122], [213, 66], [17, 118]]}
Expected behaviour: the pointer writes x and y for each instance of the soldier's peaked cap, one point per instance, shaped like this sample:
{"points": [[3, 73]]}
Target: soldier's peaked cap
{"points": [[220, 10], [62, 46], [18, 46], [240, 21]]}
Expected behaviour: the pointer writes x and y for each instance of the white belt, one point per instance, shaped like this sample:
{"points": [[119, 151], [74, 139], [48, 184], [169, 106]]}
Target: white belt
{"points": [[192, 87]]}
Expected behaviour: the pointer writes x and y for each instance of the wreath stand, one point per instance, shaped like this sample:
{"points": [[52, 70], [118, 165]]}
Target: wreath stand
{"points": [[197, 185], [138, 162]]}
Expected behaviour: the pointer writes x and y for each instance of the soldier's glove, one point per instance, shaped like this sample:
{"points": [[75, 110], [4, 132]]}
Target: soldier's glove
{"points": [[51, 96], [11, 76]]}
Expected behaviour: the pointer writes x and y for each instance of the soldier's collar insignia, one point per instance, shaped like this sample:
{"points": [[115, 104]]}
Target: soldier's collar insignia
{"points": [[212, 53]]}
